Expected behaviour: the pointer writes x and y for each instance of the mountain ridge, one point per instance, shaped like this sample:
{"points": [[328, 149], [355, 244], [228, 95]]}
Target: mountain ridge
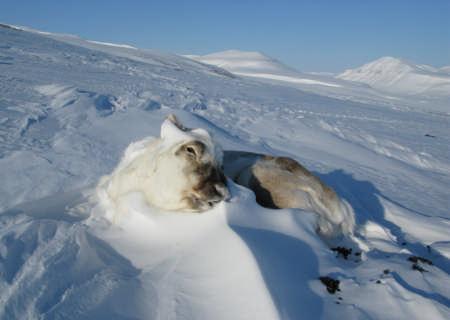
{"points": [[399, 76]]}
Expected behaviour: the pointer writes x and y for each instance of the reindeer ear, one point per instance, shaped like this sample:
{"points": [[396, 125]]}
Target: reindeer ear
{"points": [[172, 129], [172, 118]]}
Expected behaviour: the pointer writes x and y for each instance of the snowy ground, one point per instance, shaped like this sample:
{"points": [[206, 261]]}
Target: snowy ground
{"points": [[68, 109]]}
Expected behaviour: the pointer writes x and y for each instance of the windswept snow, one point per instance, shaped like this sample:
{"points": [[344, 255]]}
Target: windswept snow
{"points": [[287, 79], [113, 44], [70, 107]]}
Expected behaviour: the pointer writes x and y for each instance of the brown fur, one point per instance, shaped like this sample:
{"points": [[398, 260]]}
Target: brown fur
{"points": [[193, 150], [274, 180], [275, 177], [210, 184], [210, 187]]}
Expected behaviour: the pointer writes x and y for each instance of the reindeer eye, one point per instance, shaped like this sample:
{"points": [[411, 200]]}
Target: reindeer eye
{"points": [[190, 150]]}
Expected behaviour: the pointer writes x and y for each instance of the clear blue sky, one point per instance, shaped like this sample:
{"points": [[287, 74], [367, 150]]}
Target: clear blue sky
{"points": [[309, 35]]}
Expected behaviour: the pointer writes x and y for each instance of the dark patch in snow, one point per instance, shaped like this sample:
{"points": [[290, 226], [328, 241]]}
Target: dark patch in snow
{"points": [[105, 105], [331, 284], [364, 197], [342, 251], [416, 266], [416, 259]]}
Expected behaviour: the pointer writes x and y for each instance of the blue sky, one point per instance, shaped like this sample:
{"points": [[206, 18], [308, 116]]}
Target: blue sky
{"points": [[309, 35]]}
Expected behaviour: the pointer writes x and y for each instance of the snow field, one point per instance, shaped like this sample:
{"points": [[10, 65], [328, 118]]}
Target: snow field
{"points": [[69, 108]]}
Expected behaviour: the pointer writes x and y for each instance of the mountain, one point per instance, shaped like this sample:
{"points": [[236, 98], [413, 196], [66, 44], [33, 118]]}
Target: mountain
{"points": [[246, 62], [400, 77], [258, 65], [445, 69], [370, 86], [69, 107]]}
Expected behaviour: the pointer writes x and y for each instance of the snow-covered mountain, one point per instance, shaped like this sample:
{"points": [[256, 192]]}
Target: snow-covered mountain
{"points": [[397, 76], [258, 65], [445, 69], [246, 62], [68, 109], [389, 82]]}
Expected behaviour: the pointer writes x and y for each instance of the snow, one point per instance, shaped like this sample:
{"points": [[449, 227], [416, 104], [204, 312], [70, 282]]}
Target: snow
{"points": [[113, 44], [68, 110], [445, 69], [401, 77], [258, 65], [235, 60], [288, 79], [387, 81]]}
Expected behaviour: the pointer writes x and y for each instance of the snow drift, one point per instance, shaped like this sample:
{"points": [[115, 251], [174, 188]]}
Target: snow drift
{"points": [[69, 108]]}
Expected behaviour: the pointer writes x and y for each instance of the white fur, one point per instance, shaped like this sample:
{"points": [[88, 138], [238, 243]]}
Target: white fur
{"points": [[338, 221], [150, 167]]}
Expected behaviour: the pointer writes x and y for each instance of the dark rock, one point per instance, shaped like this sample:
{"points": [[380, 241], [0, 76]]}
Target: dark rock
{"points": [[342, 251], [416, 266], [331, 284], [416, 259]]}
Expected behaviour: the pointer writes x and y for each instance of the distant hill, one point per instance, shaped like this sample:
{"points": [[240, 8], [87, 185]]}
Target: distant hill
{"points": [[398, 76], [258, 65]]}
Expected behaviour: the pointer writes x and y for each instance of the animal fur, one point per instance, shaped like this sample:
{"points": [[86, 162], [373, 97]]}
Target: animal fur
{"points": [[182, 171], [179, 171], [280, 182]]}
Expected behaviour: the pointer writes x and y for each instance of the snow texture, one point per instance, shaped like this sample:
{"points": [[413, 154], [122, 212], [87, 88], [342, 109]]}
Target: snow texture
{"points": [[70, 107]]}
